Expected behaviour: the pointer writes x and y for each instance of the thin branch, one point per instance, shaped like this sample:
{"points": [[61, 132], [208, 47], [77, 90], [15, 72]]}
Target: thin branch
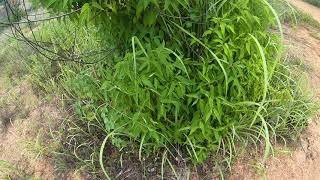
{"points": [[40, 20]]}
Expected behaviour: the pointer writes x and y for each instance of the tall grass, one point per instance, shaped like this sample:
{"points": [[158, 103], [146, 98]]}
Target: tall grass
{"points": [[186, 77]]}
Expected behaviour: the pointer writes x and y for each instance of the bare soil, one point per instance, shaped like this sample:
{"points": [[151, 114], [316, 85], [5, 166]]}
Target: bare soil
{"points": [[307, 8], [22, 119], [26, 124]]}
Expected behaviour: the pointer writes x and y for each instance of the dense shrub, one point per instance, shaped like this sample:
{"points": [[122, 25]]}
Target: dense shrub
{"points": [[203, 75]]}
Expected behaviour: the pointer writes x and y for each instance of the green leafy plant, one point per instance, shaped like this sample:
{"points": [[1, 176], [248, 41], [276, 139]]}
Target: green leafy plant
{"points": [[203, 75]]}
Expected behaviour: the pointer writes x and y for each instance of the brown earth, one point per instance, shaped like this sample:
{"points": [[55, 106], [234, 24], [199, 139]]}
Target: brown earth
{"points": [[24, 121], [26, 124], [307, 8]]}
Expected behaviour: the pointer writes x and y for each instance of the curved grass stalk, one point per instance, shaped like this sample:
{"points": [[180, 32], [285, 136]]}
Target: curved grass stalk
{"points": [[140, 148], [277, 18], [281, 35], [162, 164], [175, 54], [172, 168], [268, 145], [293, 10], [266, 78], [103, 145], [101, 155], [193, 150]]}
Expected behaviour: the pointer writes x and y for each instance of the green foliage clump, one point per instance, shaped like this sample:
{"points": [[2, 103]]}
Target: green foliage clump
{"points": [[204, 75], [314, 2]]}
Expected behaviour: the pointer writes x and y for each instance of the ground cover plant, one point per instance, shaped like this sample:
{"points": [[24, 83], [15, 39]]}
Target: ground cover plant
{"points": [[314, 2], [183, 78]]}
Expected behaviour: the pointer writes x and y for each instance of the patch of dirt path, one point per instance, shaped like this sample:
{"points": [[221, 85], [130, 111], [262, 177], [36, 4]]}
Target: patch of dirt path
{"points": [[302, 162], [303, 45], [26, 123], [23, 116], [307, 8]]}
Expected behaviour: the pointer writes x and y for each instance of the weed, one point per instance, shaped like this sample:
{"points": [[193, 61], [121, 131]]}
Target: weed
{"points": [[308, 19], [260, 169], [290, 14], [9, 171], [284, 151], [6, 168], [316, 35], [300, 64], [314, 2], [39, 147]]}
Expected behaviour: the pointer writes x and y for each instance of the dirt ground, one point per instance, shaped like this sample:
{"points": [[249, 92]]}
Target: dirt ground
{"points": [[303, 161], [21, 124], [306, 7], [26, 124]]}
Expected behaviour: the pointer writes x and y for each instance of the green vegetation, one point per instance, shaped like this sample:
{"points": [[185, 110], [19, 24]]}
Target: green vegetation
{"points": [[6, 168], [15, 14], [314, 2], [22, 120], [308, 19], [184, 79], [290, 14], [316, 35]]}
